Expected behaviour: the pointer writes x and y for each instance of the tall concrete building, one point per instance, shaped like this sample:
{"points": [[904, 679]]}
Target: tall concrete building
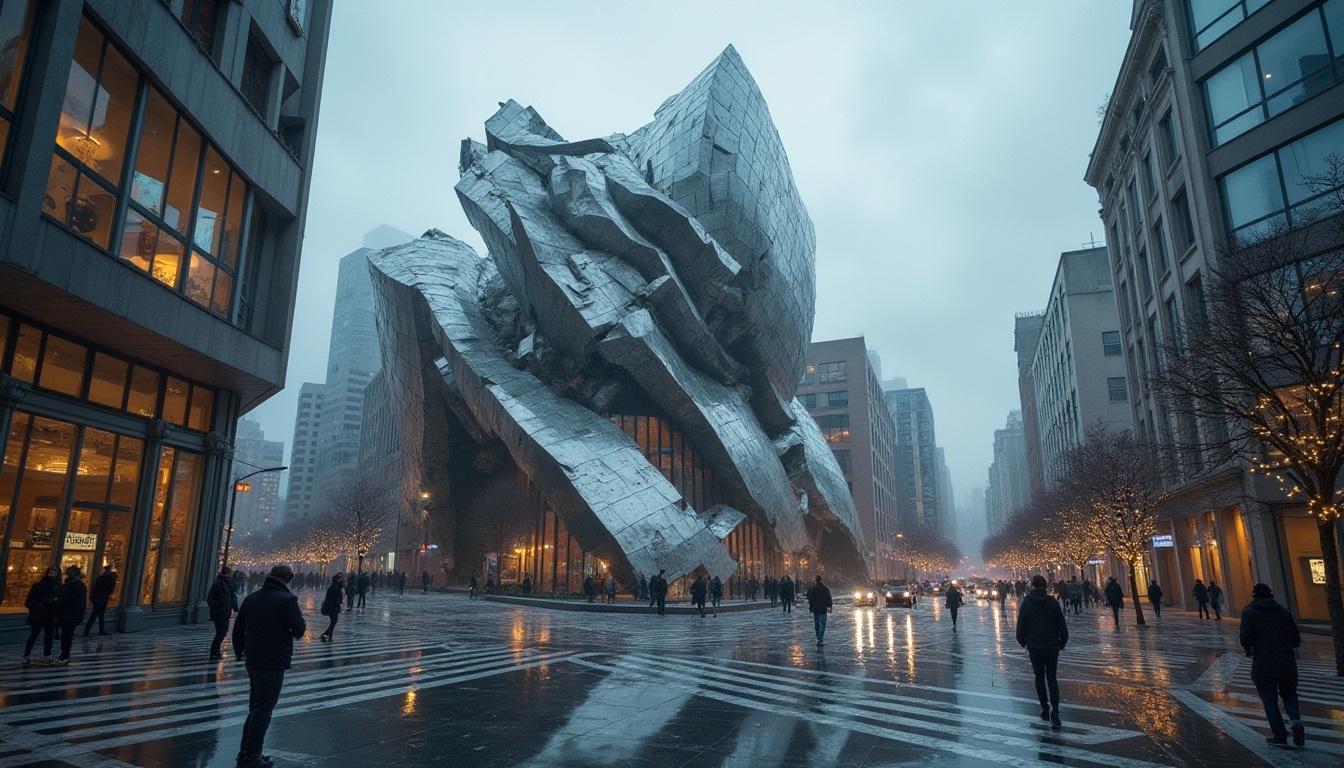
{"points": [[1007, 489], [841, 390], [153, 191], [1221, 112], [1027, 328], [1077, 371], [256, 510], [382, 460], [330, 413], [920, 499]]}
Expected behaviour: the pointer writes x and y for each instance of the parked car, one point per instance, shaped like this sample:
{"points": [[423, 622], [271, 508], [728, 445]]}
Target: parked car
{"points": [[900, 596], [865, 596]]}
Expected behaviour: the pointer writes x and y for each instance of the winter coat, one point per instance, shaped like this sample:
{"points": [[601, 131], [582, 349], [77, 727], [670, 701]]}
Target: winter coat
{"points": [[658, 586], [698, 590], [72, 601], [1269, 635], [589, 586], [819, 598], [103, 587], [1040, 623], [1201, 593], [362, 583], [1075, 592], [41, 602], [1114, 594], [331, 606], [953, 598], [786, 589], [1215, 594], [1154, 593], [223, 601], [268, 622]]}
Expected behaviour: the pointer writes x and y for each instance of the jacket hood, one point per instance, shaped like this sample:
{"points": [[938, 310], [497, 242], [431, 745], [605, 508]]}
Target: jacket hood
{"points": [[1038, 596], [1264, 604]]}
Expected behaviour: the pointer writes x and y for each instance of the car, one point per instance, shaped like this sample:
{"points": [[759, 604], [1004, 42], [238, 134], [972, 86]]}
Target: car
{"points": [[865, 596], [900, 596], [986, 592]]}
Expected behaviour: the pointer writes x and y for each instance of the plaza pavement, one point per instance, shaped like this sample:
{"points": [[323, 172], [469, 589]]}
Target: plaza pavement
{"points": [[440, 680]]}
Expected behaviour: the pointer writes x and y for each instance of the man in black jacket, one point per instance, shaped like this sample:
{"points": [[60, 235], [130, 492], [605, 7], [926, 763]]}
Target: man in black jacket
{"points": [[99, 596], [819, 602], [268, 623], [223, 603], [1041, 629], [41, 605], [71, 603], [657, 592], [1269, 635]]}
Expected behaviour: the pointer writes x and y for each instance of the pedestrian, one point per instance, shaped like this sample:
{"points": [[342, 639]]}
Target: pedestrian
{"points": [[590, 587], [1115, 597], [716, 593], [331, 606], [1201, 593], [771, 590], [240, 582], [611, 589], [41, 605], [652, 599], [527, 586], [362, 587], [351, 589], [643, 591], [699, 589], [1269, 635], [401, 583], [1155, 597], [99, 596], [1075, 595], [373, 584], [425, 580], [72, 601], [819, 603], [1041, 629], [1216, 600], [223, 603], [268, 623], [471, 586], [658, 591], [786, 590], [953, 599]]}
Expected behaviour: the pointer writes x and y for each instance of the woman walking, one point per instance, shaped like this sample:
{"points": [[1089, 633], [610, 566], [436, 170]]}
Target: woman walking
{"points": [[331, 606], [1155, 597], [954, 601]]}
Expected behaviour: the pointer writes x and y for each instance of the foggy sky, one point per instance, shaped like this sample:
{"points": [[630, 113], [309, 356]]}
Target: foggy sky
{"points": [[939, 148]]}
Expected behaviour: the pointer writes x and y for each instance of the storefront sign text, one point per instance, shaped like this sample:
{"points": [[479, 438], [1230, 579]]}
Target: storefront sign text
{"points": [[1164, 540], [86, 541], [1317, 566]]}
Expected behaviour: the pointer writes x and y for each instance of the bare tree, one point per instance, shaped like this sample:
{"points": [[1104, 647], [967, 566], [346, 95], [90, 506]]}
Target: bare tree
{"points": [[502, 531], [1117, 476], [923, 549], [358, 509], [1258, 375]]}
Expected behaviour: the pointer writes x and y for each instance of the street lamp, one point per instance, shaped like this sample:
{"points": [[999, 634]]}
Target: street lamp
{"points": [[239, 485]]}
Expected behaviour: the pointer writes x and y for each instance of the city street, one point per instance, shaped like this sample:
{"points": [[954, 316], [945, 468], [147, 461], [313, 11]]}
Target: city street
{"points": [[419, 680]]}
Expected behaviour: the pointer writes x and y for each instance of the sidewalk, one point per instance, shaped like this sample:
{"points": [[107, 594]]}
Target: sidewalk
{"points": [[629, 605]]}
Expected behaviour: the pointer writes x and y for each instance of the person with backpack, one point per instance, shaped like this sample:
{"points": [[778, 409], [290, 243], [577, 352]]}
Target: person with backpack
{"points": [[331, 606], [1042, 630], [1270, 636], [1075, 591]]}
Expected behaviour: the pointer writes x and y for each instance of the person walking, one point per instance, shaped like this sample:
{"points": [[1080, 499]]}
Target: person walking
{"points": [[819, 603], [1115, 597], [611, 589], [786, 590], [1041, 629], [72, 601], [331, 606], [41, 605], [351, 590], [1155, 597], [953, 599], [699, 589], [716, 594], [269, 622], [658, 591], [1216, 600], [99, 596], [1269, 634], [590, 588], [362, 587], [472, 585], [401, 583], [223, 603], [425, 581], [1075, 595], [1201, 593], [643, 589]]}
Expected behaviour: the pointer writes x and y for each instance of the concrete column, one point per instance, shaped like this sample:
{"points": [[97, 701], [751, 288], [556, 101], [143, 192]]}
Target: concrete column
{"points": [[131, 615]]}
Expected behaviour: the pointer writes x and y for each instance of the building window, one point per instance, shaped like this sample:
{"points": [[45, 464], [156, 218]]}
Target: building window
{"points": [[1185, 224], [1211, 19], [1134, 205], [1286, 186], [1149, 179], [16, 27], [1159, 66], [831, 372], [1281, 72], [1174, 323], [1159, 238], [202, 20], [809, 374], [1110, 343], [1194, 300], [834, 428], [835, 399], [1166, 131], [845, 461], [1155, 344], [808, 399], [256, 76], [1145, 274], [1116, 386], [172, 526]]}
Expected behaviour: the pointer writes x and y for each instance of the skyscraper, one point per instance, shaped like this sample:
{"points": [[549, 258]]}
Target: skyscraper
{"points": [[918, 464], [256, 509], [1007, 488]]}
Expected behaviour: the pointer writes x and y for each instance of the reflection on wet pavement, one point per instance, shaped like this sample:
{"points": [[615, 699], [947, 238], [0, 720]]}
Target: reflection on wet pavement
{"points": [[440, 680]]}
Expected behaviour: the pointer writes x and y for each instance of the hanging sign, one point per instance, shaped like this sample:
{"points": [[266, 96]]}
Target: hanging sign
{"points": [[84, 541], [1317, 566], [1163, 540]]}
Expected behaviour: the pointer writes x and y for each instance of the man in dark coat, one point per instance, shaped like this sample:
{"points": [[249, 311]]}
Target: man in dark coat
{"points": [[41, 604], [819, 602], [590, 588], [953, 599], [657, 591], [699, 591], [1155, 597], [715, 594], [1041, 629], [268, 623], [1269, 635], [362, 587], [1216, 600], [71, 604], [786, 593], [99, 596], [223, 603], [1201, 593], [1115, 597]]}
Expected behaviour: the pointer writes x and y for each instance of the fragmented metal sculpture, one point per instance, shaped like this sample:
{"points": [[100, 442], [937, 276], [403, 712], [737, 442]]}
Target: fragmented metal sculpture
{"points": [[667, 273]]}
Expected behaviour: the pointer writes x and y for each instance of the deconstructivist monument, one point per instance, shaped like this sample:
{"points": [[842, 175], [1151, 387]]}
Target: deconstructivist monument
{"points": [[611, 389]]}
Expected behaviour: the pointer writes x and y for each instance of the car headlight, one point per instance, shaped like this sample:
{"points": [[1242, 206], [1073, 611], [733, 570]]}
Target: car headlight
{"points": [[905, 594], [857, 595], [888, 595], [870, 595], [995, 593]]}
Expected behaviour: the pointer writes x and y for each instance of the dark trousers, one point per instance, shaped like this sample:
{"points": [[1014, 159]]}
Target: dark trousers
{"points": [[661, 602], [1217, 610], [819, 624], [1115, 614], [98, 611], [1271, 688], [332, 626], [350, 601], [1203, 609], [788, 605], [1157, 607], [953, 611], [361, 599], [68, 636], [221, 629], [261, 700], [48, 632], [1045, 665]]}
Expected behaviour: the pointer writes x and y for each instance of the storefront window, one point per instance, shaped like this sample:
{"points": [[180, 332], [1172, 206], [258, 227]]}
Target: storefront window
{"points": [[108, 383], [171, 528], [143, 399], [62, 366], [16, 26], [45, 447]]}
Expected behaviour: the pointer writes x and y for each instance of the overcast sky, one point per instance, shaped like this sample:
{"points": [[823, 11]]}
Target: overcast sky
{"points": [[939, 147]]}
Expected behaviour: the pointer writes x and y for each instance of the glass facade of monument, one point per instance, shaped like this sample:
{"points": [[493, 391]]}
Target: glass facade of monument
{"points": [[174, 208]]}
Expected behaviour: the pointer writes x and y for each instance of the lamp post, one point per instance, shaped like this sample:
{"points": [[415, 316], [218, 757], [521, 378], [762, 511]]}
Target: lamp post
{"points": [[239, 485]]}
